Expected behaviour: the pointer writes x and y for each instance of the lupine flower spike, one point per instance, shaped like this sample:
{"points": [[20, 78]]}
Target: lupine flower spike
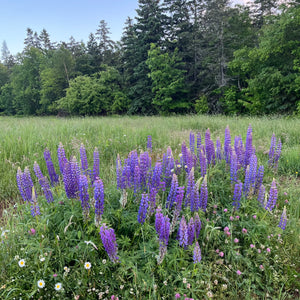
{"points": [[108, 238], [197, 253], [273, 194], [283, 219], [99, 200], [84, 195]]}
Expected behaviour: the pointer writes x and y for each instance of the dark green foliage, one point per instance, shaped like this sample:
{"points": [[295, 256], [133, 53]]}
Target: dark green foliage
{"points": [[268, 74], [99, 94], [240, 59]]}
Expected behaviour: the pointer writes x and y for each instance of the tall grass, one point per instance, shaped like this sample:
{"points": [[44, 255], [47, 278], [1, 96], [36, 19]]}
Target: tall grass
{"points": [[23, 140]]}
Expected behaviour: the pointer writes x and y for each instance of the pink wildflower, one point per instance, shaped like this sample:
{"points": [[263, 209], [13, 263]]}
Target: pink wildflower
{"points": [[268, 250], [221, 254], [252, 246], [254, 217], [238, 272], [244, 230], [236, 240], [177, 296], [225, 210]]}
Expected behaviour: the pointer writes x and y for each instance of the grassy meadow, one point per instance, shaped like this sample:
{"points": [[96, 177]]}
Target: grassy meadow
{"points": [[251, 276]]}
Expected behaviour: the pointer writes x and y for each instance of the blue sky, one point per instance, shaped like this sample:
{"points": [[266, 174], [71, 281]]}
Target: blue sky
{"points": [[61, 18]]}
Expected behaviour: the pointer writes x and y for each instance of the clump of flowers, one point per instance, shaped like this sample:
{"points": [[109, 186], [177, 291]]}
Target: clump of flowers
{"points": [[108, 238]]}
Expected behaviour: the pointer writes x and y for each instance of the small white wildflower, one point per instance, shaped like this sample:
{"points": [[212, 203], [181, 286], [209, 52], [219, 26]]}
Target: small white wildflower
{"points": [[87, 265], [42, 259], [17, 257], [121, 287], [58, 286], [165, 282], [22, 263], [104, 261], [41, 283], [209, 294], [184, 280]]}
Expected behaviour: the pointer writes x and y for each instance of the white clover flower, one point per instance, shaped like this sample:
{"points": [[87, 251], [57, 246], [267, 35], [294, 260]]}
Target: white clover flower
{"points": [[104, 261], [22, 263], [42, 259], [58, 286], [41, 283], [17, 257], [87, 265]]}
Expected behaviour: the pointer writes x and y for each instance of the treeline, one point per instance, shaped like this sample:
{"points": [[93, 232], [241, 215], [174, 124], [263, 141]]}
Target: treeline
{"points": [[176, 56]]}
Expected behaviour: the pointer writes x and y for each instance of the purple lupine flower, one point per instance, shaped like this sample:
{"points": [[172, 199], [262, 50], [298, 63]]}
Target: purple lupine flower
{"points": [[247, 185], [149, 143], [173, 192], [248, 147], [192, 142], [252, 170], [162, 226], [61, 155], [51, 170], [43, 181], [218, 149], [21, 186], [125, 180], [132, 162], [34, 208], [239, 151], [272, 150], [84, 195], [178, 206], [197, 253], [191, 231], [108, 238], [184, 154], [277, 154], [261, 194], [259, 178], [209, 148], [83, 159], [198, 142], [71, 175], [152, 201], [207, 139], [189, 190], [197, 223], [27, 183], [195, 199], [156, 176], [99, 200], [204, 194], [273, 194], [283, 219], [143, 208], [227, 142], [237, 195], [145, 164], [233, 167], [137, 179], [119, 172], [183, 233], [96, 165], [202, 161]]}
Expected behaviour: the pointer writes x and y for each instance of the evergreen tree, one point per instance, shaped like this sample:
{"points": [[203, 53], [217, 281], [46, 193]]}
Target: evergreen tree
{"points": [[168, 82], [106, 45], [148, 29]]}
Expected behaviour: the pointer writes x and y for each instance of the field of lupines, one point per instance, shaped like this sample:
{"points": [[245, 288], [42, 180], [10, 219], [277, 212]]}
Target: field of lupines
{"points": [[206, 219]]}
